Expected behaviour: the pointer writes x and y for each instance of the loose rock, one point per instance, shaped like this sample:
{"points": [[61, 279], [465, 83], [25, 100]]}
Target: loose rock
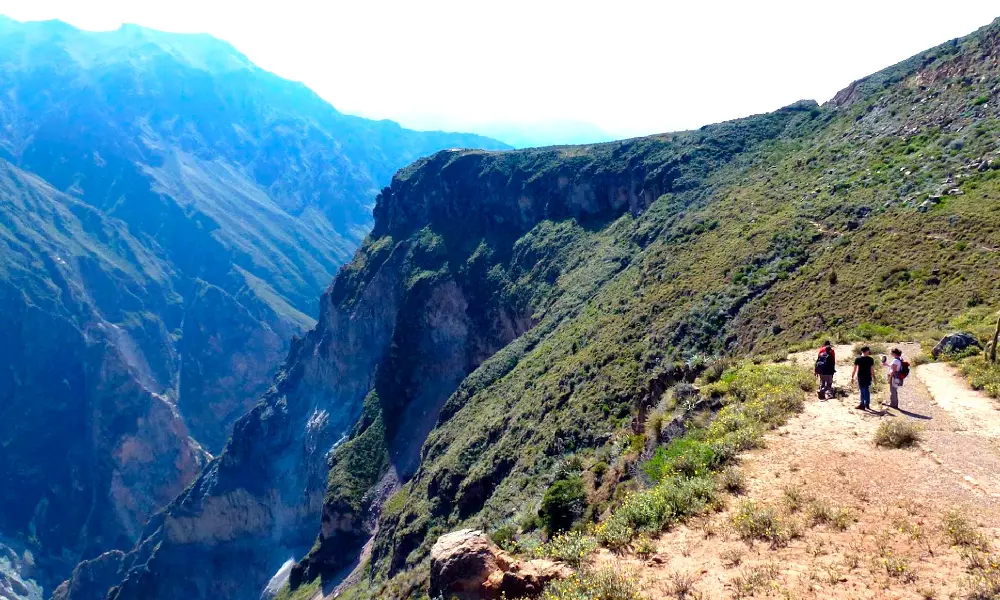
{"points": [[954, 343], [466, 565]]}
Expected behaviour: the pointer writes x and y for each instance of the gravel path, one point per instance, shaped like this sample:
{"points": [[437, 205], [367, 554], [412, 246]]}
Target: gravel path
{"points": [[898, 497]]}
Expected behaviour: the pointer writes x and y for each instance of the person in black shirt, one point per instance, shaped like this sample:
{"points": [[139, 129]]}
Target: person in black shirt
{"points": [[864, 370]]}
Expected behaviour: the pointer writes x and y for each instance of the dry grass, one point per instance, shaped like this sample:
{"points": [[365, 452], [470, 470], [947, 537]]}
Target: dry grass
{"points": [[753, 579], [897, 433]]}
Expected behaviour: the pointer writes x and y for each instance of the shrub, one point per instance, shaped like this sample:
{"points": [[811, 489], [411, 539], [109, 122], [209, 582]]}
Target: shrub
{"points": [[504, 536], [615, 534], [562, 504], [680, 585], [573, 548], [716, 370], [897, 433], [685, 456], [644, 547], [984, 585], [752, 579], [655, 509], [604, 584], [982, 375], [963, 533], [654, 425], [876, 348], [821, 513], [731, 557], [732, 480], [871, 331], [530, 522], [754, 521], [793, 497]]}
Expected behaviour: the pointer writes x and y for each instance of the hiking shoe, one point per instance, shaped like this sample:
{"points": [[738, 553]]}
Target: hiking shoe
{"points": [[859, 407]]}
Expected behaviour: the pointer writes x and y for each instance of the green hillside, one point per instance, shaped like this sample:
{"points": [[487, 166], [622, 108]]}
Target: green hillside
{"points": [[877, 213]]}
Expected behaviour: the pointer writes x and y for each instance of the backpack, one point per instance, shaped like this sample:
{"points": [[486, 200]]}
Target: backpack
{"points": [[903, 371], [823, 363]]}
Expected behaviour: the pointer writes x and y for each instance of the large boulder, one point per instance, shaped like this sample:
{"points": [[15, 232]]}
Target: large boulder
{"points": [[465, 564], [955, 343]]}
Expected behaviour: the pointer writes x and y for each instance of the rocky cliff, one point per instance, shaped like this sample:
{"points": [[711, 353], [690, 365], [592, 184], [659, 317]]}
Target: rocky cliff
{"points": [[465, 257], [169, 214]]}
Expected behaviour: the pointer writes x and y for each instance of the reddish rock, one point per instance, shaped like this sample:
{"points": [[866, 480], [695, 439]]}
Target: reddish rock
{"points": [[466, 565]]}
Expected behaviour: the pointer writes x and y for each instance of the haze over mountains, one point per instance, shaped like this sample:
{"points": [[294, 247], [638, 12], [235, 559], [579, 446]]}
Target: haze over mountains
{"points": [[169, 216]]}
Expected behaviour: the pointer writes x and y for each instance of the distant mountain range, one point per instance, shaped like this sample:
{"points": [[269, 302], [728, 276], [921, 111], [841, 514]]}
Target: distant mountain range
{"points": [[169, 215]]}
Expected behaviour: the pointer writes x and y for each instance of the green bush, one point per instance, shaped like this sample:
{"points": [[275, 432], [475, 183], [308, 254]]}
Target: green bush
{"points": [[876, 348], [732, 480], [871, 331], [504, 536], [563, 503], [572, 548], [982, 375], [684, 456], [655, 509]]}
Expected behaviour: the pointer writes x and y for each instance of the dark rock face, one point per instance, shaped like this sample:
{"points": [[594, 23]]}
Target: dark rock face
{"points": [[169, 214], [955, 343]]}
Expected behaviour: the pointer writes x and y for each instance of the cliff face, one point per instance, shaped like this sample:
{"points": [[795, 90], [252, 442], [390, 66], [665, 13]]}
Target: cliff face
{"points": [[91, 448], [169, 214]]}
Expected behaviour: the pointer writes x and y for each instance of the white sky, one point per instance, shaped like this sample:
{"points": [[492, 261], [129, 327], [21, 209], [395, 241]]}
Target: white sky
{"points": [[628, 67]]}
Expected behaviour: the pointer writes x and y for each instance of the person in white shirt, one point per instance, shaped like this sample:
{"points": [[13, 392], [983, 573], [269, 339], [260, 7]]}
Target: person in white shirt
{"points": [[895, 381]]}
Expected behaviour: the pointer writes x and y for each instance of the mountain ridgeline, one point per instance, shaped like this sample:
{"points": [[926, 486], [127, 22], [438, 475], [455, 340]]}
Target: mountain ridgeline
{"points": [[514, 313], [169, 214]]}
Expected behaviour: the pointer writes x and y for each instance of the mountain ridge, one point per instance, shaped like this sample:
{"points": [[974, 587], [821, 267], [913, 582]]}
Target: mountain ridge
{"points": [[168, 218]]}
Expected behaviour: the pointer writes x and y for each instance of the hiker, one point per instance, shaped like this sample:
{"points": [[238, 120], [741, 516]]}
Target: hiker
{"points": [[898, 370], [864, 370], [826, 366]]}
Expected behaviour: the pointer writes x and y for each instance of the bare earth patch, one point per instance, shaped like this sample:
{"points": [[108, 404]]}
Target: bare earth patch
{"points": [[857, 521]]}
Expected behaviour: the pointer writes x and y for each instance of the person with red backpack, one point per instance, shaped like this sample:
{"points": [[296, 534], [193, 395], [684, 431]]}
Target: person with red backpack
{"points": [[826, 367], [898, 370]]}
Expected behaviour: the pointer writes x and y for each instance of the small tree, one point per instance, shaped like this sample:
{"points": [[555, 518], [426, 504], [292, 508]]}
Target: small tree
{"points": [[563, 504]]}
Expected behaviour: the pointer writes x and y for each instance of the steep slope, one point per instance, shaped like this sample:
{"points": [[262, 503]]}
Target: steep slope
{"points": [[168, 214], [843, 221], [514, 314], [466, 257]]}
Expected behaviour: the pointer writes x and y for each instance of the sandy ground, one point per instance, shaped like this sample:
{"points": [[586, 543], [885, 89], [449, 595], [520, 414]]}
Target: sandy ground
{"points": [[895, 545]]}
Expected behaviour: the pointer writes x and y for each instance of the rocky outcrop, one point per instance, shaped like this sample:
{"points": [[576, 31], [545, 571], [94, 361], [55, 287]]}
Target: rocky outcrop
{"points": [[466, 565], [16, 572], [955, 343]]}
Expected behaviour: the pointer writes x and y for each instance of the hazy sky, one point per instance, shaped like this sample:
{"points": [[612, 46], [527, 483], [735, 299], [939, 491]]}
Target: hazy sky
{"points": [[628, 67]]}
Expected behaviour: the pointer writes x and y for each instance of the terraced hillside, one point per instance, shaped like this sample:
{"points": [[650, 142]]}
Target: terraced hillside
{"points": [[513, 318]]}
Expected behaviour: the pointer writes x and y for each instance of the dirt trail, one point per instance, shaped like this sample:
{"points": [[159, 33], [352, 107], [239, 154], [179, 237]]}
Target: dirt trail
{"points": [[969, 408], [896, 546]]}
